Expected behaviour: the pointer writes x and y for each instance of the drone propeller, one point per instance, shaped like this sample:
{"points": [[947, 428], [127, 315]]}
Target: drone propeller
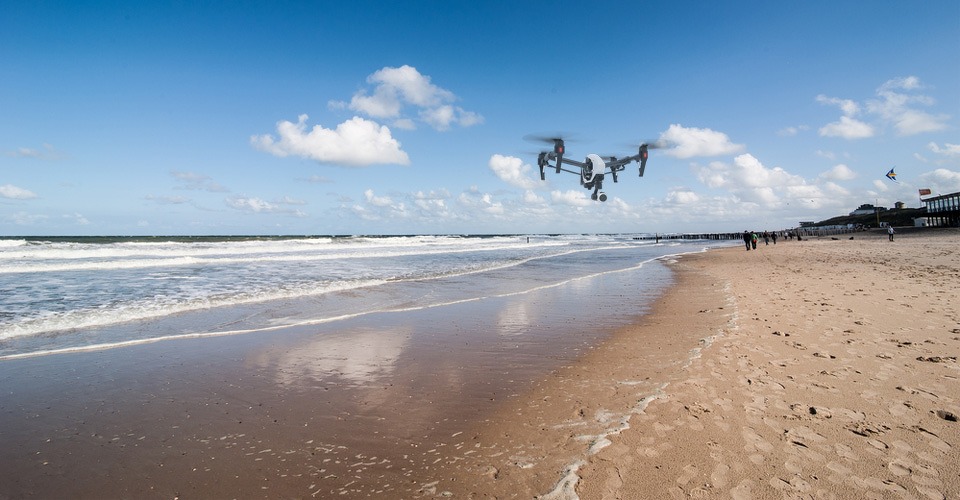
{"points": [[558, 145], [549, 138], [649, 144]]}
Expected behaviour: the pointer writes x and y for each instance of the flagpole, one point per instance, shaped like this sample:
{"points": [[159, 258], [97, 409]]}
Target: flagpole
{"points": [[876, 210]]}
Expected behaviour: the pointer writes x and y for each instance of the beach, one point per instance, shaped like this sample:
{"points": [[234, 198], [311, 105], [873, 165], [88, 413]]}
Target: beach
{"points": [[825, 368]]}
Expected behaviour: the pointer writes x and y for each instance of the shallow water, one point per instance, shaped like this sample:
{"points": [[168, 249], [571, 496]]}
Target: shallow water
{"points": [[358, 391]]}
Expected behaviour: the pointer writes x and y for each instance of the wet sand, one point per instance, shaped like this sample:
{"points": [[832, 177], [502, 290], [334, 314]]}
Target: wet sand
{"points": [[815, 369], [828, 369], [372, 406]]}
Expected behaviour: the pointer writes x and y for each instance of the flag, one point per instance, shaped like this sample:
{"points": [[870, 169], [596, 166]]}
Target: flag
{"points": [[925, 192], [892, 175]]}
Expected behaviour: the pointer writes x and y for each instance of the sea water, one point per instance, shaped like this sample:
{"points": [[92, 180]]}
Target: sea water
{"points": [[59, 295]]}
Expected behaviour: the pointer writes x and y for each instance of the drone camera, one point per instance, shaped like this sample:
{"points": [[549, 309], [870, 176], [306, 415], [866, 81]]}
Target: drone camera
{"points": [[602, 196]]}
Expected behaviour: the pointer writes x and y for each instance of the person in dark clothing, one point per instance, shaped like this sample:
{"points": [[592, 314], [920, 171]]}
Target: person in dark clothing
{"points": [[747, 239]]}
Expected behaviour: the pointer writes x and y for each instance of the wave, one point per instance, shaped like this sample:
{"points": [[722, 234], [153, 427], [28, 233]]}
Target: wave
{"points": [[159, 306], [134, 256], [329, 319]]}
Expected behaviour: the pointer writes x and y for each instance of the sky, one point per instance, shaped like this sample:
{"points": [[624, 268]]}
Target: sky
{"points": [[382, 117]]}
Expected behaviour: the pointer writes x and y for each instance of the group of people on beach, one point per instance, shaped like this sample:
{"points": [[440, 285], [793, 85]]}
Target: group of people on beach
{"points": [[750, 238]]}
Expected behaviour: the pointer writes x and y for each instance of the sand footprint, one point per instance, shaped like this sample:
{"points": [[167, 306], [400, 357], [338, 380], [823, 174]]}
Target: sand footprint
{"points": [[689, 472], [719, 475]]}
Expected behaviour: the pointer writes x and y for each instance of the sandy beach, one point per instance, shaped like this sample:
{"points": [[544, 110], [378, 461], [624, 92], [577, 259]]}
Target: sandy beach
{"points": [[825, 368], [818, 369]]}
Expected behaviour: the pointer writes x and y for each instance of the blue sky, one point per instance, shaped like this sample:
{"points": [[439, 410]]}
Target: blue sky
{"points": [[162, 118]]}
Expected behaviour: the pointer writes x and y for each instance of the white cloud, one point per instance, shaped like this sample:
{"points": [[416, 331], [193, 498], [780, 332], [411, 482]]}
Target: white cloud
{"points": [[792, 131], [432, 203], [691, 142], [25, 219], [167, 200], [941, 181], [15, 193], [377, 201], [195, 181], [840, 172], [531, 198], [571, 197], [513, 171], [750, 181], [47, 152], [847, 106], [847, 128], [948, 149], [682, 196], [257, 205], [395, 88], [835, 190], [895, 105], [355, 142], [77, 218], [830, 155]]}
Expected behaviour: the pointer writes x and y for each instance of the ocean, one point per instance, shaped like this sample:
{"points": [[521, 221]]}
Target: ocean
{"points": [[60, 295], [349, 366]]}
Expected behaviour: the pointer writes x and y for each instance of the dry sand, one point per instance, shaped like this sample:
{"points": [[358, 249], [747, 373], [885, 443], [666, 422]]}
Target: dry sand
{"points": [[818, 369]]}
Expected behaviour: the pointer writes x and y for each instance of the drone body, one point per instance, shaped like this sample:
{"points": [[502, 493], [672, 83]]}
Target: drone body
{"points": [[592, 169]]}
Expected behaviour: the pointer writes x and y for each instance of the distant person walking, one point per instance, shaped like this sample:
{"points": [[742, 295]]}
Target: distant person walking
{"points": [[746, 239], [890, 232], [773, 235], [753, 240], [766, 237]]}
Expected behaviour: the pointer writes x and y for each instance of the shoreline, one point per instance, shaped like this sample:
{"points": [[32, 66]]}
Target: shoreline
{"points": [[813, 387], [769, 373]]}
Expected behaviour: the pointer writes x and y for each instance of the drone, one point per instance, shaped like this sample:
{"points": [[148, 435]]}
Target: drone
{"points": [[592, 169]]}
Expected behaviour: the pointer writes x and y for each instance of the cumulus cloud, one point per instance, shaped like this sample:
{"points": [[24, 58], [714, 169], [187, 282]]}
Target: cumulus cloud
{"points": [[847, 127], [513, 171], [257, 205], [377, 201], [750, 181], [12, 192], [682, 196], [571, 197], [356, 142], [396, 88], [431, 202], [847, 106], [531, 198], [950, 150], [941, 181], [691, 142], [840, 172], [896, 104]]}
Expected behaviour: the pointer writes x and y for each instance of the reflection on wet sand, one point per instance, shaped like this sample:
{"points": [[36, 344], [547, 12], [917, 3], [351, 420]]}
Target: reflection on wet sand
{"points": [[514, 318], [361, 356]]}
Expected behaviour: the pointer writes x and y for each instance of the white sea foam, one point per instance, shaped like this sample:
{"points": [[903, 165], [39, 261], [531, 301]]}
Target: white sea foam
{"points": [[62, 287]]}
